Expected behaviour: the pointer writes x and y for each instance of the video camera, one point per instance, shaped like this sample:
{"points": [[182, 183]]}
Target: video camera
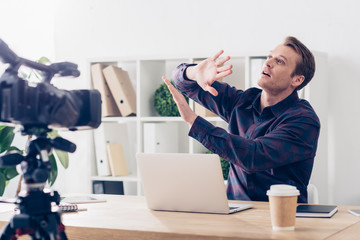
{"points": [[37, 109], [44, 105]]}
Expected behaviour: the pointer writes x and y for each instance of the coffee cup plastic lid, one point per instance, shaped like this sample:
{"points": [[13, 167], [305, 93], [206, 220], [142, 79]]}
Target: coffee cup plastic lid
{"points": [[282, 190]]}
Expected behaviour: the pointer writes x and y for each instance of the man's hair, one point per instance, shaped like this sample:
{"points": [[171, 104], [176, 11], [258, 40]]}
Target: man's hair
{"points": [[306, 66]]}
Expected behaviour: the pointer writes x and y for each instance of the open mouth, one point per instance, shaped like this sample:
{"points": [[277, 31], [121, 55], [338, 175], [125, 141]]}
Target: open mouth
{"points": [[266, 74]]}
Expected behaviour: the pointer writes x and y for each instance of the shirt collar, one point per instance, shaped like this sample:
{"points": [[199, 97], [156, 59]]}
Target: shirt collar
{"points": [[280, 107], [283, 105], [256, 103]]}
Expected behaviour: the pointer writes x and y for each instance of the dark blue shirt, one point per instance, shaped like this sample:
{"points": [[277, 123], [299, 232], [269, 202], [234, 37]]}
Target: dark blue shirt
{"points": [[275, 146]]}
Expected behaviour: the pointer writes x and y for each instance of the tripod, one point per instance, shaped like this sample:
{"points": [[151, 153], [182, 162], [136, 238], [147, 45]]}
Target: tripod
{"points": [[35, 216]]}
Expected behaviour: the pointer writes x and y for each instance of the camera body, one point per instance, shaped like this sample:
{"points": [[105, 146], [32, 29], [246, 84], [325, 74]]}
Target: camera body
{"points": [[44, 105]]}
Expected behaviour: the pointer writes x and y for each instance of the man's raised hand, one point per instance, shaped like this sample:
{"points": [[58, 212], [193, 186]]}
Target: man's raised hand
{"points": [[185, 111], [208, 71]]}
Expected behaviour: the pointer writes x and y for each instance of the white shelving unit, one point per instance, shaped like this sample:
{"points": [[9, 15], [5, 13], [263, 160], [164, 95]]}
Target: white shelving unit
{"points": [[145, 75]]}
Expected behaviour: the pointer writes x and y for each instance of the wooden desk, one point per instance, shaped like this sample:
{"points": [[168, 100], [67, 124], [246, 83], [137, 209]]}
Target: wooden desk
{"points": [[127, 217]]}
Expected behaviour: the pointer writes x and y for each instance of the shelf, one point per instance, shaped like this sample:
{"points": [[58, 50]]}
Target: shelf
{"points": [[153, 119], [120, 119], [161, 119], [214, 119], [129, 178]]}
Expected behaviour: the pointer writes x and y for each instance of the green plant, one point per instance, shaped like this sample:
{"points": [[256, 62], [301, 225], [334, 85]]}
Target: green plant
{"points": [[164, 103], [6, 139], [7, 136], [225, 166]]}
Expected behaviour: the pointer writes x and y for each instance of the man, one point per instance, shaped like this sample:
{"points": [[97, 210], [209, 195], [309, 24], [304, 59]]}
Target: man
{"points": [[273, 134]]}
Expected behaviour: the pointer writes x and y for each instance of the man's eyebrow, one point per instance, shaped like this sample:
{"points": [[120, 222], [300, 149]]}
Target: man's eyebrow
{"points": [[283, 57]]}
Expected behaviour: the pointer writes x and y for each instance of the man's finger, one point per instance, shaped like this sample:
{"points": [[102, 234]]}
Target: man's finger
{"points": [[171, 88], [223, 74], [218, 55], [224, 68], [223, 60], [211, 90], [167, 82]]}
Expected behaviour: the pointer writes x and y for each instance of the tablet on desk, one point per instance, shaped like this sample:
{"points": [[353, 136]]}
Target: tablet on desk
{"points": [[82, 199], [316, 210], [356, 212]]}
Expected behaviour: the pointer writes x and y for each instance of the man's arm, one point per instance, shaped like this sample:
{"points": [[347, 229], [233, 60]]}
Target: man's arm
{"points": [[286, 144], [292, 141]]}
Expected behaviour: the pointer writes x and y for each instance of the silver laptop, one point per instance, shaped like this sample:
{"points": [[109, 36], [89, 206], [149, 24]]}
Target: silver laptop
{"points": [[185, 182]]}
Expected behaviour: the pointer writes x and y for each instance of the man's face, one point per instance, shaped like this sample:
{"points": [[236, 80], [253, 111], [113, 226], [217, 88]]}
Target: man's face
{"points": [[277, 69]]}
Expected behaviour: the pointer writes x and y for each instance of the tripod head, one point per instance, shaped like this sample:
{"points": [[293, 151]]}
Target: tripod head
{"points": [[35, 164], [36, 216]]}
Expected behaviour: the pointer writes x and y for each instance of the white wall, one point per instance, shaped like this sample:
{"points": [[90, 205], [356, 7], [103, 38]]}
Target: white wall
{"points": [[87, 29], [27, 27]]}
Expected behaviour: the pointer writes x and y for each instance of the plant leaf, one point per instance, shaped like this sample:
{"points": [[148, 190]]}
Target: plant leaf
{"points": [[10, 173], [44, 60], [63, 158], [54, 171], [53, 134], [164, 103], [13, 148], [6, 138], [2, 183], [225, 167]]}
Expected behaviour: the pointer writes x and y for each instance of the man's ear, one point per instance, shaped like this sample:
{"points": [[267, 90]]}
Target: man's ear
{"points": [[297, 80]]}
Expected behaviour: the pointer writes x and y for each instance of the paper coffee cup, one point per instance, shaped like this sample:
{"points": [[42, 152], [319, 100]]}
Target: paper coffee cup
{"points": [[283, 202]]}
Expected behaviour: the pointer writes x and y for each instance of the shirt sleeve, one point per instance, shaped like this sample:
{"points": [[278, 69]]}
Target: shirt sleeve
{"points": [[221, 105], [292, 141]]}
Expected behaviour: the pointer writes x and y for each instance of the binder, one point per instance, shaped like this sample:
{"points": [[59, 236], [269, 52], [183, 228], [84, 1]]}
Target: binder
{"points": [[102, 163], [116, 160], [161, 137], [109, 107], [111, 133], [202, 111], [121, 89]]}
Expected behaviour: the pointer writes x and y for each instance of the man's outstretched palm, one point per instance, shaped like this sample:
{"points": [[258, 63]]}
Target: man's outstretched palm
{"points": [[208, 71], [185, 111], [205, 74]]}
